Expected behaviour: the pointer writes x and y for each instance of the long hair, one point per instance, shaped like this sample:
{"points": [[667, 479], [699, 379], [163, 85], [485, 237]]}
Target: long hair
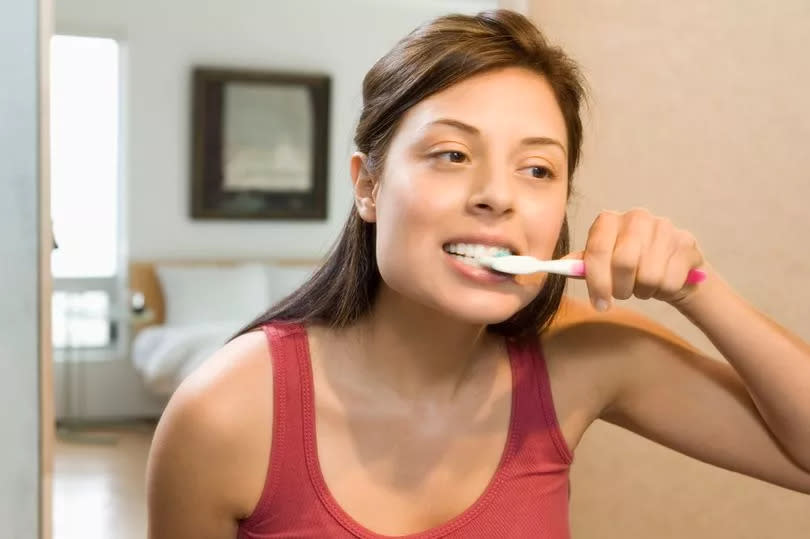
{"points": [[430, 59]]}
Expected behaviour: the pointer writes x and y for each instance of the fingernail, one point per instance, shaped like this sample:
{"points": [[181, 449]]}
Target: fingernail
{"points": [[601, 305]]}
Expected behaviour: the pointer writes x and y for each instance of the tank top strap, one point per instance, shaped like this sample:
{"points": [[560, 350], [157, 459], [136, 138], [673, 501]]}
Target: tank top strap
{"points": [[533, 391], [287, 466]]}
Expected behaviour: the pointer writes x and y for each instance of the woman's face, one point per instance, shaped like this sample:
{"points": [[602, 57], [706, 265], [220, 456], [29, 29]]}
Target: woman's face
{"points": [[482, 164]]}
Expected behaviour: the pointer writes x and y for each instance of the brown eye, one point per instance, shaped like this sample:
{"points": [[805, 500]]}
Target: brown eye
{"points": [[539, 172], [452, 156]]}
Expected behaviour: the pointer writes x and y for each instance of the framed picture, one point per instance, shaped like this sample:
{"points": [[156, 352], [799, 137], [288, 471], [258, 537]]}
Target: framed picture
{"points": [[259, 145]]}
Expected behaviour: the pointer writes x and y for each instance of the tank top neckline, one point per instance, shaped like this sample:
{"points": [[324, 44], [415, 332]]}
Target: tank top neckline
{"points": [[347, 521]]}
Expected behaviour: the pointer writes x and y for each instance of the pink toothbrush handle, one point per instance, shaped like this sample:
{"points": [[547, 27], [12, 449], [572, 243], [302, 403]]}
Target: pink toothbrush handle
{"points": [[694, 276]]}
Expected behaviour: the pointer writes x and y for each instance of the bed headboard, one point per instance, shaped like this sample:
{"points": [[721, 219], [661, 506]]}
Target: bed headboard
{"points": [[143, 278]]}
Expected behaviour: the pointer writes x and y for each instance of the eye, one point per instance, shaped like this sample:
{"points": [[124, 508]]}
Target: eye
{"points": [[453, 156], [540, 172]]}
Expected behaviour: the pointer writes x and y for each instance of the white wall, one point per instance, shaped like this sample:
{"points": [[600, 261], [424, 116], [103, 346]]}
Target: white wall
{"points": [[164, 38], [19, 272]]}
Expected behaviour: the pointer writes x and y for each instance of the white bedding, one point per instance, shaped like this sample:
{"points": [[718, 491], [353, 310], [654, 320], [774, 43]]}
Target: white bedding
{"points": [[205, 306], [165, 355]]}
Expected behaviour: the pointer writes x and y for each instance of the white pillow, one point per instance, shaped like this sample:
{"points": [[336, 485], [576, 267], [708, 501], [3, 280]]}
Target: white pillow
{"points": [[165, 355], [195, 294], [284, 280]]}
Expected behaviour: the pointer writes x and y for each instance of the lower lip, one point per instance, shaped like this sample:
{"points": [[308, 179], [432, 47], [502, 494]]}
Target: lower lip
{"points": [[476, 273]]}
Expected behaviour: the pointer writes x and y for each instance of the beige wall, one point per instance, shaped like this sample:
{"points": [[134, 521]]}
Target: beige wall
{"points": [[699, 113]]}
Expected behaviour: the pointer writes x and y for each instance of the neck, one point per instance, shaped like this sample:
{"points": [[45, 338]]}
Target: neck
{"points": [[414, 350]]}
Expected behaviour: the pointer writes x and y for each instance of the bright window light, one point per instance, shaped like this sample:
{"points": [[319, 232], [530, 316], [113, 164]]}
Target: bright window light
{"points": [[81, 319], [84, 155]]}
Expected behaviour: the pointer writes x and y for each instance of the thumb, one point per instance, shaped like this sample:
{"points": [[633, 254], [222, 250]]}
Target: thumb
{"points": [[577, 255]]}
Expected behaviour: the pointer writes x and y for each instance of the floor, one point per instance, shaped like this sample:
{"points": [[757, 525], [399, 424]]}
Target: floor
{"points": [[99, 488]]}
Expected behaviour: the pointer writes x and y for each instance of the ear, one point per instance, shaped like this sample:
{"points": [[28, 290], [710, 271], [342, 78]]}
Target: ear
{"points": [[365, 188]]}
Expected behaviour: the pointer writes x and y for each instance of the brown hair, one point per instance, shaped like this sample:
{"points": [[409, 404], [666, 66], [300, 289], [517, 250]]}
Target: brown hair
{"points": [[433, 57]]}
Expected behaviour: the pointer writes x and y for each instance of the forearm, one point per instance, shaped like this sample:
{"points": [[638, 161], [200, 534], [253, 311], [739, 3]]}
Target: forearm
{"points": [[773, 363]]}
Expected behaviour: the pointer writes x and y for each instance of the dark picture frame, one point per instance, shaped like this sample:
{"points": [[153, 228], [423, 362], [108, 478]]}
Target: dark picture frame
{"points": [[259, 144]]}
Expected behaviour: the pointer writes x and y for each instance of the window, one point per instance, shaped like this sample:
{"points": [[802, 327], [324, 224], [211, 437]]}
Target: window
{"points": [[85, 91], [83, 320]]}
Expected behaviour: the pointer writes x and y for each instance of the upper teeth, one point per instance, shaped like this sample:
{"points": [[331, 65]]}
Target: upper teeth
{"points": [[476, 250]]}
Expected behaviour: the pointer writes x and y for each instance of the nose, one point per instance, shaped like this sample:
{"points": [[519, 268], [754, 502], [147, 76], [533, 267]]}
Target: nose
{"points": [[492, 193]]}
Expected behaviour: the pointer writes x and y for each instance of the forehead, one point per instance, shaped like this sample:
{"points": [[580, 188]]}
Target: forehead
{"points": [[508, 102]]}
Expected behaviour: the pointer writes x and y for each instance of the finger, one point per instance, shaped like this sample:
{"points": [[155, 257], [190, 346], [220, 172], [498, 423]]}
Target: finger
{"points": [[597, 256], [687, 257], [688, 244], [623, 264], [654, 260], [633, 240], [674, 278]]}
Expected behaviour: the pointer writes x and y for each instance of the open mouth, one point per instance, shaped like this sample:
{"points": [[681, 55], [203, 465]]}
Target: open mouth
{"points": [[470, 253]]}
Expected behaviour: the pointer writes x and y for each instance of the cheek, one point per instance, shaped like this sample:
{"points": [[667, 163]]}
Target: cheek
{"points": [[406, 221], [543, 226], [413, 211]]}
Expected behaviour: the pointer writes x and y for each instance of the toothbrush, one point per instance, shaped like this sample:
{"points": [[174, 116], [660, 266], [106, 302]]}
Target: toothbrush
{"points": [[570, 267]]}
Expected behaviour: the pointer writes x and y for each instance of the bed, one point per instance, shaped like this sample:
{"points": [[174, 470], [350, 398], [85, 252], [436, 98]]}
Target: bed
{"points": [[191, 308]]}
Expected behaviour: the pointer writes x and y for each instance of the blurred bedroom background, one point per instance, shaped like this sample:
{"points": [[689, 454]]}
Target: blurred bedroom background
{"points": [[153, 269], [694, 106]]}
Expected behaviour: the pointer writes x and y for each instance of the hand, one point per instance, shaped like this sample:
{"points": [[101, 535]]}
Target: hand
{"points": [[637, 254]]}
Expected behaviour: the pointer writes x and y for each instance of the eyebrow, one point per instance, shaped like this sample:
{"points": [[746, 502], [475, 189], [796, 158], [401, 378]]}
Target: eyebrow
{"points": [[529, 141]]}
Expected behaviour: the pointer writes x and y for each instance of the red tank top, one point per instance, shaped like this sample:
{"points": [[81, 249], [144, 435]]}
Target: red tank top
{"points": [[526, 497]]}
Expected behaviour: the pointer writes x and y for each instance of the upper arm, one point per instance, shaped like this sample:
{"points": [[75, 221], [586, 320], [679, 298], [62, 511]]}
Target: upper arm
{"points": [[208, 458], [668, 392]]}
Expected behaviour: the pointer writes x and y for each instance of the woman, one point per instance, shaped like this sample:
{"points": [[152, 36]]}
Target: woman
{"points": [[445, 402]]}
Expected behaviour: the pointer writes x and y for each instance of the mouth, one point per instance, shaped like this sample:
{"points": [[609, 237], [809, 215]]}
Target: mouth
{"points": [[471, 253]]}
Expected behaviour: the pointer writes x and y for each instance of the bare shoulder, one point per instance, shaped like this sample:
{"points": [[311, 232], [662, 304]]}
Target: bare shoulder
{"points": [[588, 355], [210, 452], [630, 371], [578, 315]]}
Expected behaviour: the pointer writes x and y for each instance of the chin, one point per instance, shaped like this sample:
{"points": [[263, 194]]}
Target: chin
{"points": [[485, 311], [465, 304]]}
